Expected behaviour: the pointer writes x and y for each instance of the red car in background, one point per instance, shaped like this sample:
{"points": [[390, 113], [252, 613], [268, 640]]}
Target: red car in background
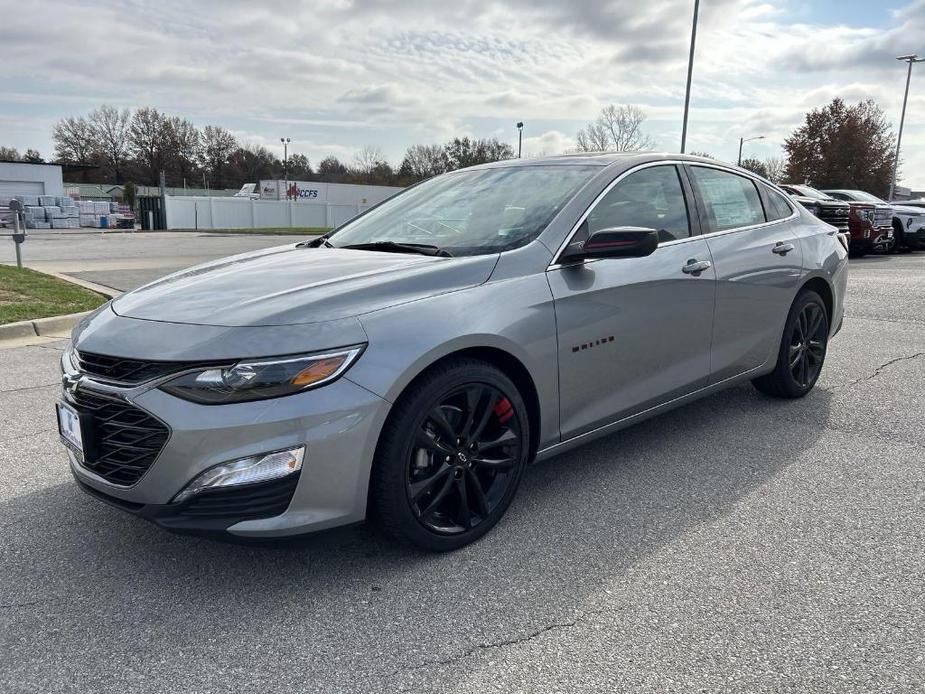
{"points": [[866, 228]]}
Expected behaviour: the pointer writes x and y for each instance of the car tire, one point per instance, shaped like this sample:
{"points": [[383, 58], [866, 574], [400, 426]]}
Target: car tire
{"points": [[802, 350], [899, 239], [440, 478]]}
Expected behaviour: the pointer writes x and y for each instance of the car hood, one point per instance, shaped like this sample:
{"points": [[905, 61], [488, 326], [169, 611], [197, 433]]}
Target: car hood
{"points": [[804, 200], [911, 211], [290, 285]]}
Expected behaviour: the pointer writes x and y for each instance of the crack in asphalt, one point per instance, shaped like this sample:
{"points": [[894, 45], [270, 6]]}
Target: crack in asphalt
{"points": [[19, 390], [503, 643], [31, 603], [25, 436], [878, 370]]}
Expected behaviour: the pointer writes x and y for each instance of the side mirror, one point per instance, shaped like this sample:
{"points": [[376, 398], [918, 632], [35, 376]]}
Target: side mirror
{"points": [[616, 242]]}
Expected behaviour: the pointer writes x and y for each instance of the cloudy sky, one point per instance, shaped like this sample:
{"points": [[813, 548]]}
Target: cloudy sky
{"points": [[335, 75]]}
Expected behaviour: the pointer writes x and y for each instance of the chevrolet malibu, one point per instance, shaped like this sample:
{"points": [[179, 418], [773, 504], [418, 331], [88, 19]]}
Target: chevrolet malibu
{"points": [[407, 367]]}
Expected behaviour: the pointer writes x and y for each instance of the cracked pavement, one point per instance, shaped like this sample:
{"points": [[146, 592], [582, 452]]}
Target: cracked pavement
{"points": [[739, 544]]}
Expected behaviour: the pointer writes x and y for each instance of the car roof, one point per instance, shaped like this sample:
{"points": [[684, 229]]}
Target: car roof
{"points": [[602, 159]]}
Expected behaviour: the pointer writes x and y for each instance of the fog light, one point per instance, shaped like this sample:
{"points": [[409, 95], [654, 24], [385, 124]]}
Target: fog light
{"points": [[258, 468]]}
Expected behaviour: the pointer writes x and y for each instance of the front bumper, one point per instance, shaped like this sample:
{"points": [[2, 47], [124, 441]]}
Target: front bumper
{"points": [[915, 238], [338, 424], [208, 513]]}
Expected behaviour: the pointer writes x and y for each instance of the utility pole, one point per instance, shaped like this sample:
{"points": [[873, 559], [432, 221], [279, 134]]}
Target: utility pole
{"points": [[520, 138], [899, 138], [743, 140], [690, 73]]}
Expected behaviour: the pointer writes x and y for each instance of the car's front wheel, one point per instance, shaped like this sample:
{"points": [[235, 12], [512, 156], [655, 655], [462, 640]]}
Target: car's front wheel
{"points": [[451, 456], [802, 349]]}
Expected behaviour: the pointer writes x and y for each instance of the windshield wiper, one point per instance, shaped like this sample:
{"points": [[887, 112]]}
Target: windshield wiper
{"points": [[315, 242], [395, 247]]}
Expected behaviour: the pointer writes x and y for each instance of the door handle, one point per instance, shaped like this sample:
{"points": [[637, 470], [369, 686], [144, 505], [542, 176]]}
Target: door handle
{"points": [[695, 267], [782, 248]]}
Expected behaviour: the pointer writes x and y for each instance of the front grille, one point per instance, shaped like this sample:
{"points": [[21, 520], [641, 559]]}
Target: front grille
{"points": [[883, 218], [836, 216], [120, 440], [263, 500], [130, 371]]}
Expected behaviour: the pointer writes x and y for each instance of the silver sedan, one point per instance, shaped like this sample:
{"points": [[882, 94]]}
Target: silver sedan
{"points": [[407, 367]]}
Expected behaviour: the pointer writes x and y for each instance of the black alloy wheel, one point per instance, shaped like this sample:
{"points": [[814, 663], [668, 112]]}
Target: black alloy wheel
{"points": [[802, 349], [463, 459], [451, 456], [807, 345]]}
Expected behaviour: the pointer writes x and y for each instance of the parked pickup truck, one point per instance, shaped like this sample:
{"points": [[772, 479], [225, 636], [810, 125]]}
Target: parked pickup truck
{"points": [[906, 222], [828, 209], [854, 219], [910, 221]]}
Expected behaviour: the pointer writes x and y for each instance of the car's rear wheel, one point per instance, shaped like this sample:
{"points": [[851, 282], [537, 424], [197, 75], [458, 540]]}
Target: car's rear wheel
{"points": [[898, 244], [451, 456], [802, 349]]}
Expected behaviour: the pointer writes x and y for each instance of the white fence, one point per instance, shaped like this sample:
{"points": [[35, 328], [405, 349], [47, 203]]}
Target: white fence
{"points": [[195, 212]]}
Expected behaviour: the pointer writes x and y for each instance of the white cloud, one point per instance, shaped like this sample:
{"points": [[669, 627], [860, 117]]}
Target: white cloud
{"points": [[335, 75]]}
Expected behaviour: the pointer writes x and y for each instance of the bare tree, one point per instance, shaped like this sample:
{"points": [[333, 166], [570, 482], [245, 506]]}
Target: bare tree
{"points": [[617, 128], [593, 138], [423, 161], [775, 167], [110, 128], [185, 146], [74, 141], [9, 154], [217, 147], [149, 141], [367, 159], [33, 156]]}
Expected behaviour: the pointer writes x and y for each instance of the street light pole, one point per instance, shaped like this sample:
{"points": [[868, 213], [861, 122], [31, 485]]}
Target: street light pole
{"points": [[690, 72], [902, 119], [520, 138], [742, 141], [285, 141]]}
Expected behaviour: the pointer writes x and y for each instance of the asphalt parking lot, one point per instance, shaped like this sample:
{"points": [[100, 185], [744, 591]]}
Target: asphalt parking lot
{"points": [[738, 544], [124, 261]]}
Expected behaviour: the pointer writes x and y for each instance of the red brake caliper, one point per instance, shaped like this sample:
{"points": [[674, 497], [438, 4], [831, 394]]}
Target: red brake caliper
{"points": [[503, 410]]}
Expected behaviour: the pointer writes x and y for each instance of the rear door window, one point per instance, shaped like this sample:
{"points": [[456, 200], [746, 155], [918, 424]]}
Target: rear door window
{"points": [[777, 207], [729, 200]]}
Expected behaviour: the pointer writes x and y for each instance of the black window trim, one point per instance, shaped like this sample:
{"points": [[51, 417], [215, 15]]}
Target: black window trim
{"points": [[690, 204], [683, 166]]}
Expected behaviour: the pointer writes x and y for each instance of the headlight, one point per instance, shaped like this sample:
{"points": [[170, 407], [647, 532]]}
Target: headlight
{"points": [[259, 379], [253, 470]]}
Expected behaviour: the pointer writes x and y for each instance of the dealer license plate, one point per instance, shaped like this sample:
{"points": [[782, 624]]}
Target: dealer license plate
{"points": [[69, 428]]}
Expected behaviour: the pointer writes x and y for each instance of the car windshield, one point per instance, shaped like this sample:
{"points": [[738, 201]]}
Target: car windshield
{"points": [[863, 197], [469, 212], [808, 192]]}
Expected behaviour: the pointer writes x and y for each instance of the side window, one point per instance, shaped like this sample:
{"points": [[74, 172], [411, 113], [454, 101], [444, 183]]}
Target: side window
{"points": [[729, 200], [652, 198], [777, 206]]}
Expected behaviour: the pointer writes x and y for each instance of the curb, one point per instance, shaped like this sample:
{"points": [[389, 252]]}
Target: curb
{"points": [[28, 332], [55, 326]]}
